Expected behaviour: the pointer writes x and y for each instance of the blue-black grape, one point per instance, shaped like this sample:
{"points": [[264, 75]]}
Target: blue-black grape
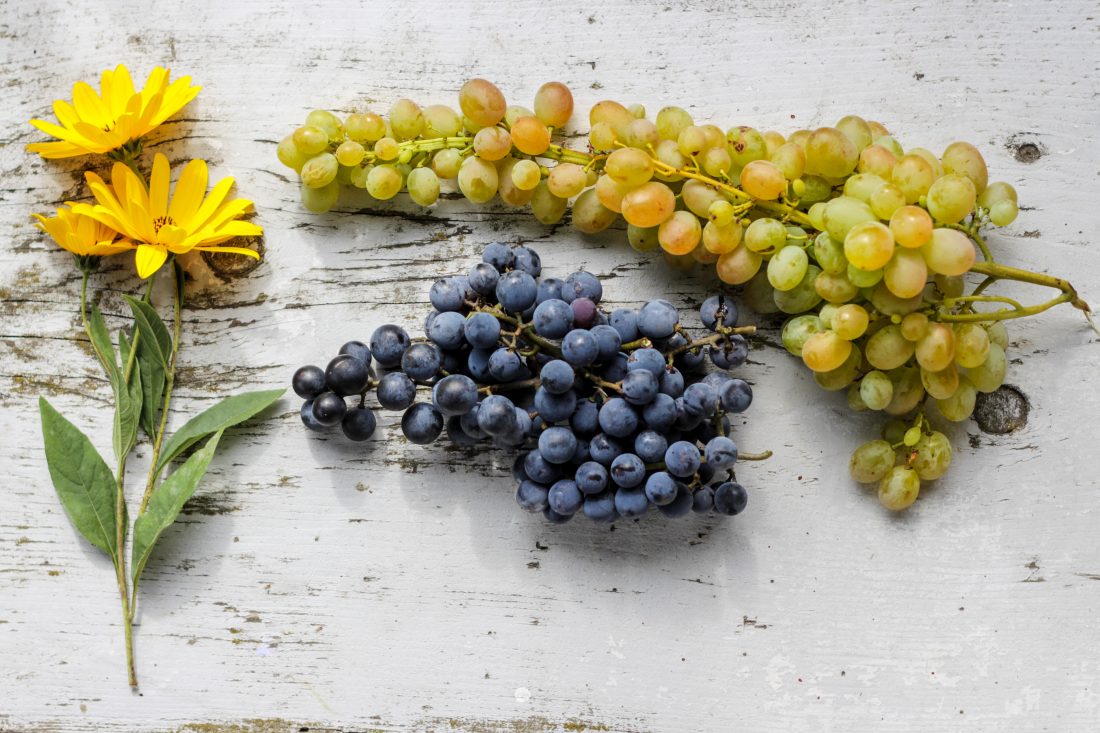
{"points": [[329, 409], [421, 361], [608, 340], [448, 330], [639, 387], [359, 423], [672, 382], [731, 353], [387, 344], [532, 496], [307, 417], [557, 376], [649, 359], [556, 444], [496, 415], [552, 318], [498, 255], [506, 366], [308, 382], [579, 348], [585, 419], [730, 498], [682, 459], [582, 285], [357, 349], [658, 319], [660, 414], [631, 502], [346, 375], [421, 423], [455, 394], [482, 330], [660, 488], [650, 446], [715, 307], [680, 505], [702, 500], [555, 407], [627, 470], [528, 260], [395, 391], [625, 321], [591, 477], [445, 295], [601, 507], [477, 364], [736, 395], [617, 418], [539, 469], [721, 452], [564, 497], [516, 291], [700, 398], [549, 289], [483, 279], [603, 448]]}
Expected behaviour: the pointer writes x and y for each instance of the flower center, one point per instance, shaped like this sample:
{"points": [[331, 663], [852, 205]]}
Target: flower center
{"points": [[161, 221]]}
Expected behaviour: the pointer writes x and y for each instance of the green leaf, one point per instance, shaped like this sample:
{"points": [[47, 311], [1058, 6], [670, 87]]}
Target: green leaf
{"points": [[101, 342], [128, 400], [225, 414], [152, 382], [155, 339], [83, 482], [167, 501]]}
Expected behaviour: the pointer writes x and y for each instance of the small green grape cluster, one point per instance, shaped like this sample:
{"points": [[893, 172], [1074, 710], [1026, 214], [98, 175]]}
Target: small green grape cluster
{"points": [[863, 243], [903, 458]]}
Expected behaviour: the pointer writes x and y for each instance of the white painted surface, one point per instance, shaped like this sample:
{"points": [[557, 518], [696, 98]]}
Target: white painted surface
{"points": [[394, 587]]}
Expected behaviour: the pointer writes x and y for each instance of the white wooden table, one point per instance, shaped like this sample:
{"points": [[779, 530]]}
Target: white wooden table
{"points": [[322, 585]]}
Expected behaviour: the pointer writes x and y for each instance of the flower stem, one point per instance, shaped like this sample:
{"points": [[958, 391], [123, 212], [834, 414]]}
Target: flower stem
{"points": [[169, 381]]}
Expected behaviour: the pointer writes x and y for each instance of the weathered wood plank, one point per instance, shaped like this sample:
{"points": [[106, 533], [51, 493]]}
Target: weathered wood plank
{"points": [[394, 587]]}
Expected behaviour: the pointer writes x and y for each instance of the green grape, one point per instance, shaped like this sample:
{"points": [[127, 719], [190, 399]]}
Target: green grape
{"points": [[290, 155], [406, 119], [830, 254], [871, 461], [942, 384], [508, 191], [960, 405], [816, 214], [759, 295], [320, 200], [863, 278], [835, 288], [698, 197], [912, 436], [965, 160], [310, 140], [998, 333], [899, 488], [951, 198], [343, 174], [602, 136], [547, 207], [971, 345], [888, 304], [868, 245], [669, 153], [876, 390], [844, 375], [492, 143], [441, 121], [787, 268], [931, 159], [936, 348], [636, 110], [358, 176], [642, 134], [763, 180], [817, 189], [913, 175], [383, 182], [526, 174], [350, 153], [843, 213], [589, 215], [721, 212], [906, 274], [738, 265], [671, 121], [629, 167], [932, 456], [649, 205], [830, 153], [990, 374], [423, 185], [893, 431], [790, 158], [850, 321], [856, 129], [862, 186], [478, 180], [802, 297], [890, 144], [950, 287], [774, 141], [825, 351], [567, 180], [327, 122], [446, 163], [554, 104], [365, 128], [887, 349], [765, 235], [878, 160], [746, 145], [530, 136], [855, 401], [680, 233], [1003, 213], [482, 102], [387, 149], [691, 141], [826, 314], [717, 163], [908, 390], [515, 112], [642, 239], [885, 201], [995, 192], [320, 170], [914, 326]]}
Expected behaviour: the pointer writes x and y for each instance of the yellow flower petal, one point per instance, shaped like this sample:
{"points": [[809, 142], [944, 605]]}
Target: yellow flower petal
{"points": [[158, 187], [149, 258], [89, 106], [189, 192], [211, 205], [57, 150], [232, 250]]}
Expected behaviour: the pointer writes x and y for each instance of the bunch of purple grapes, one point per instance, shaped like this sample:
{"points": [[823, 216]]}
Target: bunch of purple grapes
{"points": [[613, 411]]}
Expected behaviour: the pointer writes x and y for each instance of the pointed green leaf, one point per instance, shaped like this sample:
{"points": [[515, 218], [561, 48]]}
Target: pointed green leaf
{"points": [[83, 482], [152, 382], [128, 399], [167, 501], [225, 414], [155, 339], [101, 343]]}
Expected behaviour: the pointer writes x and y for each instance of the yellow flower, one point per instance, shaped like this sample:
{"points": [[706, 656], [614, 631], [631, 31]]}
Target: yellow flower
{"points": [[82, 235], [117, 115], [158, 225]]}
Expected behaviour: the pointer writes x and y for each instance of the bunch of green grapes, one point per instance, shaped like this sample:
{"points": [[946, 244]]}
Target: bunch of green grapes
{"points": [[864, 243]]}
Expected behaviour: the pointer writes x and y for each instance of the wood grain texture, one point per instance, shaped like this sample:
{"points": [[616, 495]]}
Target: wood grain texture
{"points": [[322, 585]]}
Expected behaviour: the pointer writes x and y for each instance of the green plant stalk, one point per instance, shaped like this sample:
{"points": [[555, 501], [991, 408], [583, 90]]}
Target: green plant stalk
{"points": [[995, 271], [169, 382]]}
